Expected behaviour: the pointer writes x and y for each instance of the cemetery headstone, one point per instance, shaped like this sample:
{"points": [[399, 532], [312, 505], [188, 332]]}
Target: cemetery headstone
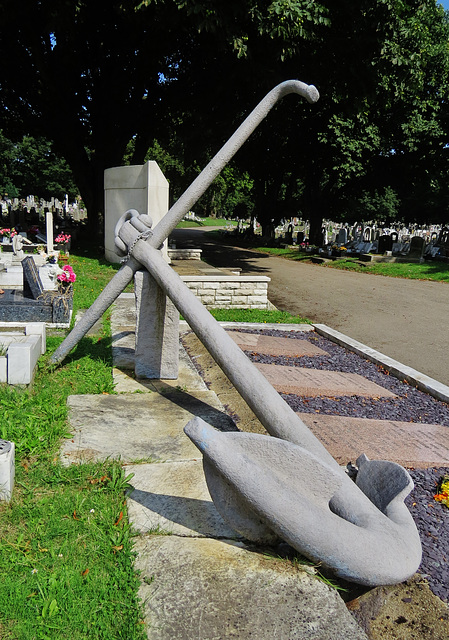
{"points": [[49, 229], [32, 284], [342, 236], [385, 244], [417, 245], [33, 303]]}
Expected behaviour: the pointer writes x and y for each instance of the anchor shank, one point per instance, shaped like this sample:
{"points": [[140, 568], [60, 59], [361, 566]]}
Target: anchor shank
{"points": [[275, 414]]}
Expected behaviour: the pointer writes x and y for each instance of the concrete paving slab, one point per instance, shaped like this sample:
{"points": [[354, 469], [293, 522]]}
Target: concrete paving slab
{"points": [[313, 382], [215, 589], [173, 497], [126, 382], [123, 312], [138, 426], [272, 345], [407, 443]]}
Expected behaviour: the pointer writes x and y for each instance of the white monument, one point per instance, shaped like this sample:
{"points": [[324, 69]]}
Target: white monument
{"points": [[141, 187]]}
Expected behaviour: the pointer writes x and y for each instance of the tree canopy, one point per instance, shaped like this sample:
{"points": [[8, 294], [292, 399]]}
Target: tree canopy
{"points": [[103, 79]]}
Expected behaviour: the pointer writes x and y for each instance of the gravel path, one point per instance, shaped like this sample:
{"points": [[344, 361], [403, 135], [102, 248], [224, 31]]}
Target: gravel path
{"points": [[431, 517]]}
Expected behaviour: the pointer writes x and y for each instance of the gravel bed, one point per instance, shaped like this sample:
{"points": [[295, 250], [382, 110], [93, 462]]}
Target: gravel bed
{"points": [[411, 405]]}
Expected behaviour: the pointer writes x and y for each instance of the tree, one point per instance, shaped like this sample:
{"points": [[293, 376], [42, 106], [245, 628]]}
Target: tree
{"points": [[92, 75], [30, 167]]}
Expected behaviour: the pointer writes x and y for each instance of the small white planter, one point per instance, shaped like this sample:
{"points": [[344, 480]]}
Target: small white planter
{"points": [[3, 369]]}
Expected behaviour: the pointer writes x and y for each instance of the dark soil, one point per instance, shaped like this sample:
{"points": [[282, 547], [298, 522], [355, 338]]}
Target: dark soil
{"points": [[431, 517]]}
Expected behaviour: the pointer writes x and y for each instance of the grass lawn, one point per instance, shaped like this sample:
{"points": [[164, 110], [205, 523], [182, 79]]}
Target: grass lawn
{"points": [[206, 222], [432, 270], [66, 559], [65, 541]]}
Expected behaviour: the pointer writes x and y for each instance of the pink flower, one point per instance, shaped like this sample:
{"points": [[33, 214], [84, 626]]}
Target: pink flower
{"points": [[68, 275]]}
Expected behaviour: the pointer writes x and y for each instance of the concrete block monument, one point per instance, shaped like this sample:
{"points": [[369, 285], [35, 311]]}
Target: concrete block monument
{"points": [[140, 187], [157, 330], [285, 487]]}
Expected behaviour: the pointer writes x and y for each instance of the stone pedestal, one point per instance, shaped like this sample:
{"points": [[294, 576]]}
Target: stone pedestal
{"points": [[157, 330], [140, 187]]}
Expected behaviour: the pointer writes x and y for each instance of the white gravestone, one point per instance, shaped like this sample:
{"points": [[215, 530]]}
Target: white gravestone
{"points": [[49, 231]]}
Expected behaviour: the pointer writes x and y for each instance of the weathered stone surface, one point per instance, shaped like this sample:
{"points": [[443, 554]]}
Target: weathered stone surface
{"points": [[272, 345], [126, 382], [173, 497], [211, 590], [409, 444], [138, 426], [312, 382], [402, 612], [157, 330]]}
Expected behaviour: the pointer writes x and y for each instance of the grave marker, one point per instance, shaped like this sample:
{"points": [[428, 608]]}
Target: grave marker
{"points": [[314, 382], [271, 345], [407, 443]]}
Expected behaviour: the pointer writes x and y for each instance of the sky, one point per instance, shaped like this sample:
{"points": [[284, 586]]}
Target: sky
{"points": [[445, 4]]}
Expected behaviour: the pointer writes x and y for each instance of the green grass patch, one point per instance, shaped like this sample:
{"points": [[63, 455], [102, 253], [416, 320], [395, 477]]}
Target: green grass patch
{"points": [[66, 561], [206, 222], [257, 315], [291, 254], [438, 271], [92, 275], [65, 553]]}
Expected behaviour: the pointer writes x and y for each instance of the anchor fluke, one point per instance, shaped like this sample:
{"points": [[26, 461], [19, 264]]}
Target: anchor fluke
{"points": [[270, 489]]}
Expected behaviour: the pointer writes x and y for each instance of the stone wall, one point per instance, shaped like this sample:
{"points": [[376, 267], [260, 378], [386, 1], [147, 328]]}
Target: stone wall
{"points": [[230, 292]]}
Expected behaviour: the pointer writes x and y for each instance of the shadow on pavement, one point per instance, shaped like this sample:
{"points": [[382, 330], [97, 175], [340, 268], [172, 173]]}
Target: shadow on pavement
{"points": [[216, 252]]}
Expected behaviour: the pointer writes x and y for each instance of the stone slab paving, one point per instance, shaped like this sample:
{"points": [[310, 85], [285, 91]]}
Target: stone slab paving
{"points": [[409, 444], [138, 426], [126, 382], [173, 497], [271, 345], [201, 581], [311, 382], [211, 589]]}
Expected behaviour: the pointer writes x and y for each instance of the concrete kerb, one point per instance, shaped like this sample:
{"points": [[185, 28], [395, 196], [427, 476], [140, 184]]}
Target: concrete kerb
{"points": [[257, 325]]}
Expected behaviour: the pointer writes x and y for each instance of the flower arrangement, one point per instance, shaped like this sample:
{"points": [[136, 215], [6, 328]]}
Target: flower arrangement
{"points": [[443, 491], [62, 238], [8, 233], [67, 275]]}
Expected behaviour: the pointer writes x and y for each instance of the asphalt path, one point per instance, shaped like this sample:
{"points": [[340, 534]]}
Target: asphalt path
{"points": [[407, 320]]}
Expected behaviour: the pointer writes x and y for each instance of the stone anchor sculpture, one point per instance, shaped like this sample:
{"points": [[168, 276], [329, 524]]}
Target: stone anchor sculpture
{"points": [[287, 487]]}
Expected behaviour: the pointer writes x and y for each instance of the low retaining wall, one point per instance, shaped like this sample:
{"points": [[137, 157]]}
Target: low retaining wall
{"points": [[230, 292], [184, 254]]}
